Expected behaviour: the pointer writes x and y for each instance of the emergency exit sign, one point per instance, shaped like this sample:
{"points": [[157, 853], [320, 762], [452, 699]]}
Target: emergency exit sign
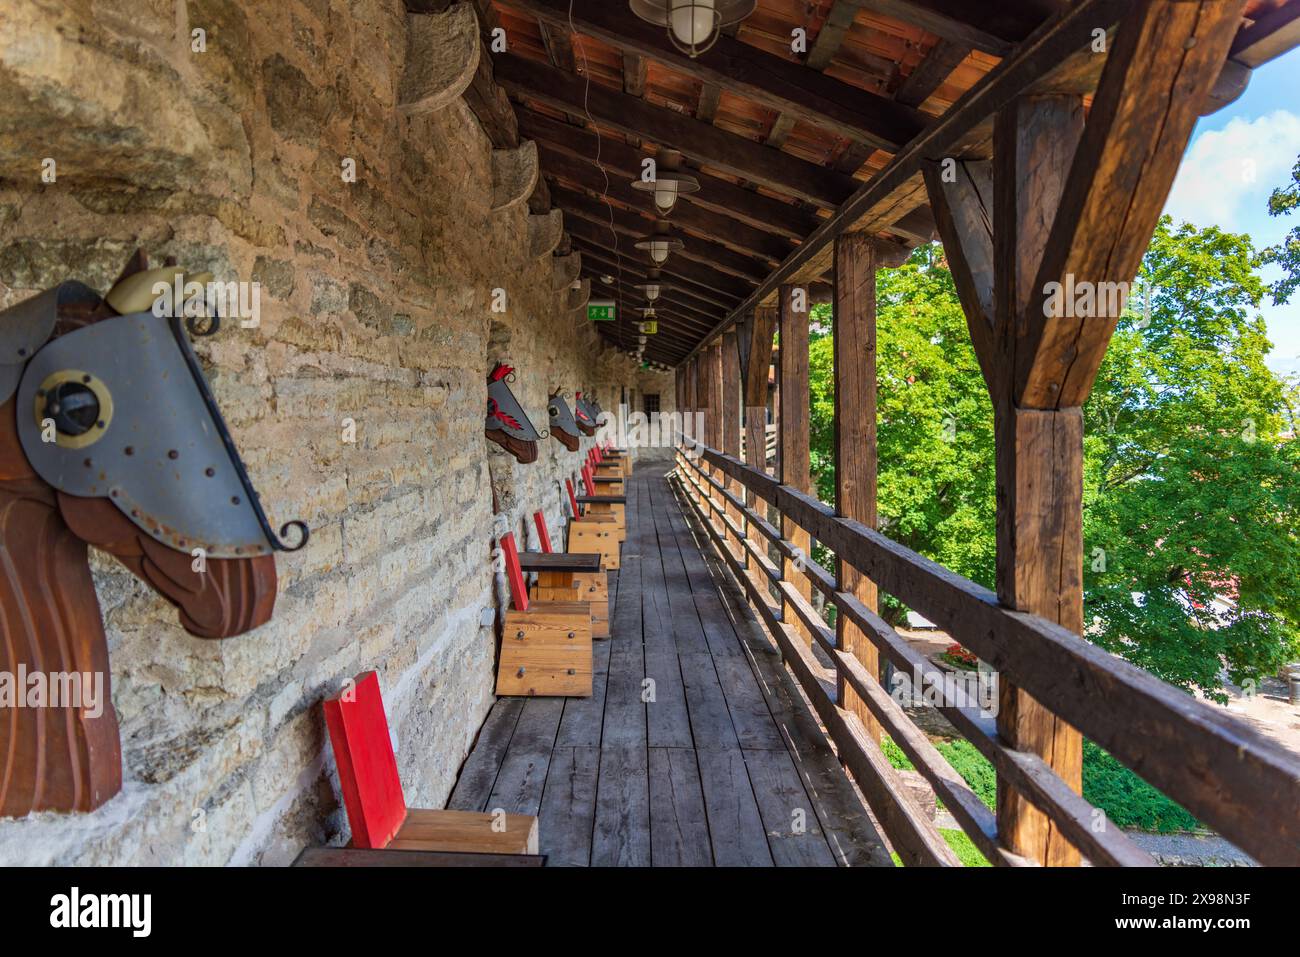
{"points": [[600, 311]]}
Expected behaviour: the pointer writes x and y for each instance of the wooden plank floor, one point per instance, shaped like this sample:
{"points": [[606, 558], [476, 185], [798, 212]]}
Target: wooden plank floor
{"points": [[695, 748]]}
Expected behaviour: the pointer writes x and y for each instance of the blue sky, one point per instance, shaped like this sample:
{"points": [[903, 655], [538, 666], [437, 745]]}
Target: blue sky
{"points": [[1238, 156]]}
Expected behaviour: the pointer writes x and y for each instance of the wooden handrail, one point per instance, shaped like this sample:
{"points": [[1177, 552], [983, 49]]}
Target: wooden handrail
{"points": [[1027, 772], [1219, 768]]}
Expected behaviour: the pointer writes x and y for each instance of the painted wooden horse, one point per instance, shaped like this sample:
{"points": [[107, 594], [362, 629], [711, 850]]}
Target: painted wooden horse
{"points": [[109, 436], [563, 427], [507, 423]]}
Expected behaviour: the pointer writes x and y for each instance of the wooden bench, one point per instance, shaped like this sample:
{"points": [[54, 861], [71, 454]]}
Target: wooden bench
{"points": [[570, 576], [372, 792], [545, 645], [593, 532]]}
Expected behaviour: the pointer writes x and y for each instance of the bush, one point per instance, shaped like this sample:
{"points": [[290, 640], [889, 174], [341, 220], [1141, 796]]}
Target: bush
{"points": [[1127, 800]]}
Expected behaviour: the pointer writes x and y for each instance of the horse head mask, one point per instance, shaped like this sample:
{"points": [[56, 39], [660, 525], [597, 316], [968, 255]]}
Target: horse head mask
{"points": [[584, 415], [110, 436], [507, 424], [563, 427]]}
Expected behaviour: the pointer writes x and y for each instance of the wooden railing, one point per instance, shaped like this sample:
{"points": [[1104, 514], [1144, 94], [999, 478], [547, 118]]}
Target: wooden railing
{"points": [[1219, 768]]}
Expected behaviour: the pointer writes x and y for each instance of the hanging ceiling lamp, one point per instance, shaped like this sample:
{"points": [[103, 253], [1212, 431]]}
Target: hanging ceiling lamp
{"points": [[652, 287], [659, 243], [693, 25], [668, 182]]}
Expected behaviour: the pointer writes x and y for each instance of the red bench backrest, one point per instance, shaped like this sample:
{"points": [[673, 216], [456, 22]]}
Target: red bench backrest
{"points": [[514, 574], [587, 480], [543, 535], [363, 751], [573, 502]]}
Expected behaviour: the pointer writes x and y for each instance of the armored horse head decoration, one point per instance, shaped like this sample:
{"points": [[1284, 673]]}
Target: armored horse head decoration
{"points": [[585, 415], [507, 424], [109, 436], [563, 427]]}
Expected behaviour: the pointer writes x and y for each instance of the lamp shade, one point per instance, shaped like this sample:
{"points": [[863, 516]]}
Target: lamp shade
{"points": [[693, 25]]}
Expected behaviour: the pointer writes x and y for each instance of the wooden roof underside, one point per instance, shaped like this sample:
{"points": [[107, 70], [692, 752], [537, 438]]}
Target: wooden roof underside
{"points": [[789, 149]]}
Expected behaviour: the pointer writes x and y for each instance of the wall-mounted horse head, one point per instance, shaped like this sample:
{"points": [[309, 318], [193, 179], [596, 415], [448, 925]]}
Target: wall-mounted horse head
{"points": [[584, 414], [109, 436], [563, 427], [507, 424]]}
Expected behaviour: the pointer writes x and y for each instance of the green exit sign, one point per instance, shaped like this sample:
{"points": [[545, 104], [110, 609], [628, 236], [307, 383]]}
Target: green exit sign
{"points": [[600, 311]]}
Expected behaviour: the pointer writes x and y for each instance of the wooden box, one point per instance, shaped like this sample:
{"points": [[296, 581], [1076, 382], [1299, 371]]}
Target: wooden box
{"points": [[591, 587], [546, 651], [596, 534]]}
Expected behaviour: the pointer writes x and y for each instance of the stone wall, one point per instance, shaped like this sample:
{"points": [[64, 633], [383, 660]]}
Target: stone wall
{"points": [[375, 307]]}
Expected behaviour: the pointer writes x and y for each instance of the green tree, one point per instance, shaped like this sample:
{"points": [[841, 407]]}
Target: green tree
{"points": [[1190, 484], [1286, 254], [1191, 488], [935, 420]]}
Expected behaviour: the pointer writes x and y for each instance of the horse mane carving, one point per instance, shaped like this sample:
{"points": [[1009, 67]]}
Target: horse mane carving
{"points": [[68, 757]]}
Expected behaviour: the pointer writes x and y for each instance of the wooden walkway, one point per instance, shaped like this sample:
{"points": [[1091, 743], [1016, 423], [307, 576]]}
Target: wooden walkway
{"points": [[695, 748]]}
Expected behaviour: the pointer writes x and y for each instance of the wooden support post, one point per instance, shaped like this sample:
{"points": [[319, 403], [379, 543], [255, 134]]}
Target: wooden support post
{"points": [[857, 257], [729, 424], [794, 425], [713, 403], [1073, 205], [689, 377], [754, 343], [1039, 465]]}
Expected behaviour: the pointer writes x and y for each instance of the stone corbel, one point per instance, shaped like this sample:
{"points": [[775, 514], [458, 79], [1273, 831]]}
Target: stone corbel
{"points": [[566, 269], [579, 295], [442, 54], [544, 233], [514, 175]]}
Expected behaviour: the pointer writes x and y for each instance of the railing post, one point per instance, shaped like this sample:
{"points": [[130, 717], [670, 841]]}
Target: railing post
{"points": [[793, 434], [713, 421], [691, 390], [729, 423], [857, 257], [755, 346]]}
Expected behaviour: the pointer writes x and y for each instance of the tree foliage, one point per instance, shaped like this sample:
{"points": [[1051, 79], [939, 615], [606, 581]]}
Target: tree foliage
{"points": [[1190, 484], [1286, 254]]}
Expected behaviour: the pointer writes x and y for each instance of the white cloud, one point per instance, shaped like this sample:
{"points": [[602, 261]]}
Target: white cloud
{"points": [[1227, 175]]}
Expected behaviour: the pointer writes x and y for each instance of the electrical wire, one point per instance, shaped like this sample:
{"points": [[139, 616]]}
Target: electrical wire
{"points": [[604, 195]]}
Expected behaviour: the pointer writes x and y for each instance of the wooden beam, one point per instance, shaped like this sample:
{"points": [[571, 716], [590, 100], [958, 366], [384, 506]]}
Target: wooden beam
{"points": [[702, 278], [706, 107], [634, 74], [944, 57], [754, 350], [674, 305], [699, 298], [854, 332], [765, 78], [699, 220], [829, 38], [962, 198], [1055, 56], [1165, 57], [717, 195], [636, 225], [992, 27], [1039, 458], [700, 314], [793, 430], [701, 141], [730, 425]]}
